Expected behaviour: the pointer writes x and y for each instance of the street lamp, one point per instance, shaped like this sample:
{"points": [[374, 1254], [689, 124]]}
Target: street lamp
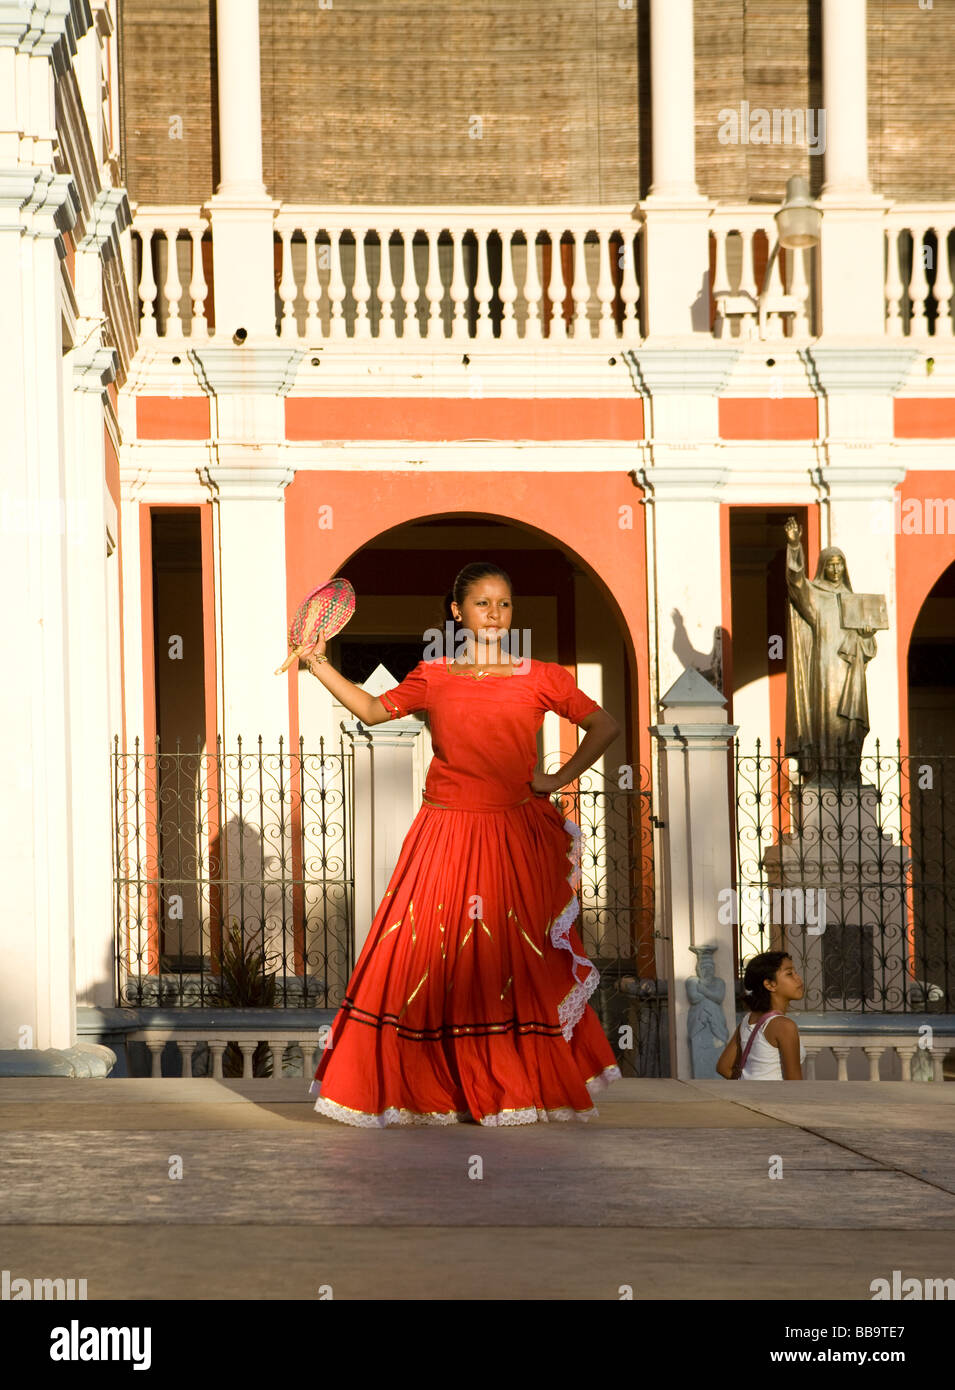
{"points": [[798, 220]]}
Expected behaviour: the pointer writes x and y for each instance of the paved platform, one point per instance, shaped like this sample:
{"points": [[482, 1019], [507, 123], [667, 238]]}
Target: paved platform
{"points": [[666, 1191]]}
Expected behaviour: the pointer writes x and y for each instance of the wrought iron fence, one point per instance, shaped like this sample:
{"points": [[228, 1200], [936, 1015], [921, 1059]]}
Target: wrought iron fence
{"points": [[233, 876], [616, 924], [854, 877]]}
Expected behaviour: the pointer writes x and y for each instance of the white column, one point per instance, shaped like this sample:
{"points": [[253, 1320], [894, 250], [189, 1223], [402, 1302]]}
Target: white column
{"points": [[241, 212], [247, 481], [844, 87], [697, 868], [36, 855], [673, 99], [251, 603], [240, 101], [88, 638], [676, 248], [851, 258], [684, 483]]}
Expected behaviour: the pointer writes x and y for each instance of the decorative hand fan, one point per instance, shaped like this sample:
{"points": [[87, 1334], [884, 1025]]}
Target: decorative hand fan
{"points": [[329, 607]]}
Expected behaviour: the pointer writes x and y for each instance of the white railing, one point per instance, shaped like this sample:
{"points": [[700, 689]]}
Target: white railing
{"points": [[920, 239], [187, 1040], [400, 274], [172, 288], [868, 1047], [760, 289], [471, 275], [393, 274]]}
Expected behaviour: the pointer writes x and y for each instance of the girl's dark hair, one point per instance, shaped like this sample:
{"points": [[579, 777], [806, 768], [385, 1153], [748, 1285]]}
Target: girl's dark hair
{"points": [[479, 569], [761, 968]]}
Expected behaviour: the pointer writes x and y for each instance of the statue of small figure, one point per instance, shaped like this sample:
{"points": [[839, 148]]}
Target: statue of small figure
{"points": [[828, 647], [705, 1024]]}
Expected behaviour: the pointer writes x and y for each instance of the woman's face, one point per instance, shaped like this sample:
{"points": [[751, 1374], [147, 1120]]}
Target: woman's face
{"points": [[835, 569], [787, 982], [486, 610]]}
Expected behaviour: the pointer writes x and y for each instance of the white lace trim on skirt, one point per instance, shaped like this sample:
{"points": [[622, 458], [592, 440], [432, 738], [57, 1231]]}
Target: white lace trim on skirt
{"points": [[394, 1116], [572, 1006]]}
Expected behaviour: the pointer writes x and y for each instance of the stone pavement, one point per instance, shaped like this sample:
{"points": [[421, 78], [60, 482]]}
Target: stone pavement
{"points": [[667, 1191]]}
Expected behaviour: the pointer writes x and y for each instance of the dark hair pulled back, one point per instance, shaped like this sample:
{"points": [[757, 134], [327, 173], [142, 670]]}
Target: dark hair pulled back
{"points": [[760, 968]]}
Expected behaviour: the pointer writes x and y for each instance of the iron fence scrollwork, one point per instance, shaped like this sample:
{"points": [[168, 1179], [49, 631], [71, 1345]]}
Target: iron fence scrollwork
{"points": [[233, 876], [855, 877]]}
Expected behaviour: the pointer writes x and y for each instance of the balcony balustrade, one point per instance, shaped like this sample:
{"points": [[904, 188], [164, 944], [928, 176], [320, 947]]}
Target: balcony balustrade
{"points": [[397, 275]]}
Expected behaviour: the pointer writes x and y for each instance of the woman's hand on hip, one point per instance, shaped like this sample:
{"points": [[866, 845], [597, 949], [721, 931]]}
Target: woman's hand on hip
{"points": [[545, 784]]}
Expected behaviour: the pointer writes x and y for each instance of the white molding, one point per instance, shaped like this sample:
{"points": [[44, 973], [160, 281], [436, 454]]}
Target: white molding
{"points": [[247, 370], [873, 371]]}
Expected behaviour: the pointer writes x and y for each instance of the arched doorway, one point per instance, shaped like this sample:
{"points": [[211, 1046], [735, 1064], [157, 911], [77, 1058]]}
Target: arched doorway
{"points": [[931, 779]]}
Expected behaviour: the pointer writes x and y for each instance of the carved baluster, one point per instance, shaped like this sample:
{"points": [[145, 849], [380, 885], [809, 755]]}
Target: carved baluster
{"points": [[841, 1054], [534, 326], [580, 289], [722, 288], [943, 284], [801, 292], [606, 328], [248, 1053], [556, 292], [386, 289], [278, 1052], [198, 289], [156, 1050], [905, 1055], [508, 289], [894, 288], [147, 285], [338, 329], [483, 289], [630, 286], [434, 286], [811, 1055], [361, 289], [217, 1049], [747, 284], [460, 330], [409, 286], [873, 1054], [288, 290], [172, 289], [312, 289], [918, 285]]}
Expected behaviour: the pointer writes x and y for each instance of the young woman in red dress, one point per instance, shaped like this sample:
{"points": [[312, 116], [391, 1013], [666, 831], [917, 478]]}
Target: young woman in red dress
{"points": [[468, 1002]]}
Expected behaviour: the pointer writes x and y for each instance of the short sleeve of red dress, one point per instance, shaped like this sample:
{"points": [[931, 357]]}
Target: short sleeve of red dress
{"points": [[560, 692], [410, 696]]}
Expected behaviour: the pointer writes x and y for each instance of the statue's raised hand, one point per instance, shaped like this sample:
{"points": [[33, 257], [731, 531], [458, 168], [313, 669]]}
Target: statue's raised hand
{"points": [[793, 530]]}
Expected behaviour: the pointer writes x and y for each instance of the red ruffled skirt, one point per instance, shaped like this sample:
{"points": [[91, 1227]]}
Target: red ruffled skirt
{"points": [[469, 998]]}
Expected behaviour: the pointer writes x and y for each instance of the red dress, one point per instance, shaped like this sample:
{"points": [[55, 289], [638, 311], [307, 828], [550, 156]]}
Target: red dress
{"points": [[469, 998]]}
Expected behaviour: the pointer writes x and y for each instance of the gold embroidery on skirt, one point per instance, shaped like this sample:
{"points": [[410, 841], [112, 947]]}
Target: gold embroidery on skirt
{"points": [[415, 990]]}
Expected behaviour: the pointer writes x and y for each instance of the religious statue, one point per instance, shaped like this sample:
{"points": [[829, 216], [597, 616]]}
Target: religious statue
{"points": [[705, 1024], [830, 641]]}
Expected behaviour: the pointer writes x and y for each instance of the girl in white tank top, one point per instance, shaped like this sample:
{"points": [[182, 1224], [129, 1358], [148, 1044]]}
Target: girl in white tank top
{"points": [[763, 1061], [770, 984]]}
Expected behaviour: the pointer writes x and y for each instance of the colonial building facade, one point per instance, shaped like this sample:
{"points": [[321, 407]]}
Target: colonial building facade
{"points": [[311, 289]]}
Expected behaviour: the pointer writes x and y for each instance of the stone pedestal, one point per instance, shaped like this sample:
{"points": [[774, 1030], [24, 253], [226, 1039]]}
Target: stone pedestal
{"points": [[837, 902]]}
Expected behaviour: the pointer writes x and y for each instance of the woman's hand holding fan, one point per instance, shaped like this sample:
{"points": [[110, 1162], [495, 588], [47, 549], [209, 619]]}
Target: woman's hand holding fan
{"points": [[322, 616], [310, 650]]}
